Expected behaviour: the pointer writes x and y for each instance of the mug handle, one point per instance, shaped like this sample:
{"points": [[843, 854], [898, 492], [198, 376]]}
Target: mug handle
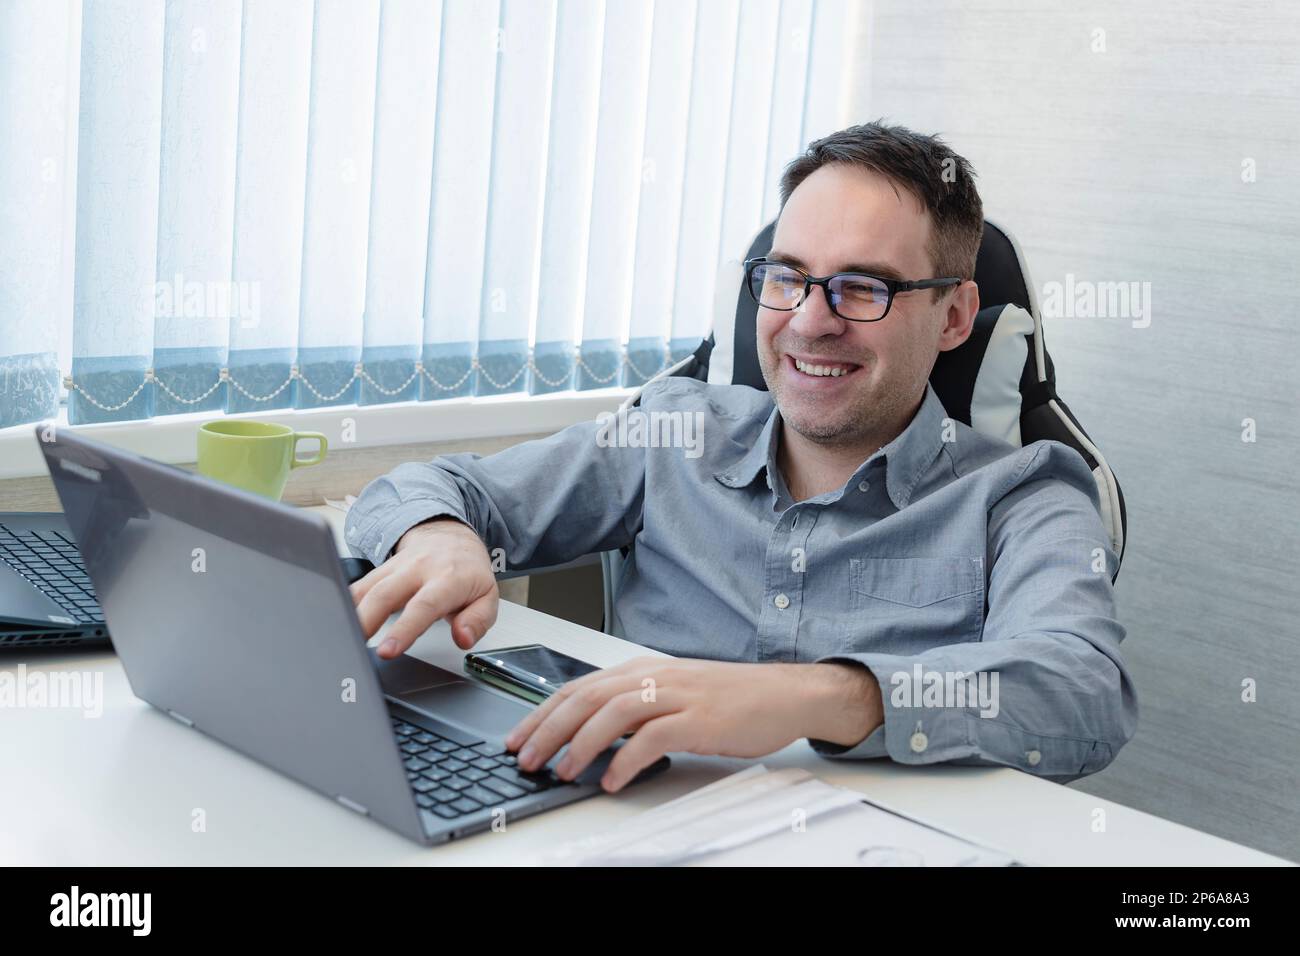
{"points": [[320, 452]]}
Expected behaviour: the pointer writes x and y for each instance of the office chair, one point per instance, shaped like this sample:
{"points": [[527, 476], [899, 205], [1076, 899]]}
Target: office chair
{"points": [[1000, 381]]}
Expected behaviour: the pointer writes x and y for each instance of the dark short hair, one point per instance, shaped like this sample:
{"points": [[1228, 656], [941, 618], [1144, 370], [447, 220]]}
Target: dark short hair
{"points": [[941, 180]]}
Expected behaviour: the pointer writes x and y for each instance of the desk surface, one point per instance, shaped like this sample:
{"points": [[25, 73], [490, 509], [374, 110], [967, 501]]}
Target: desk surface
{"points": [[122, 789]]}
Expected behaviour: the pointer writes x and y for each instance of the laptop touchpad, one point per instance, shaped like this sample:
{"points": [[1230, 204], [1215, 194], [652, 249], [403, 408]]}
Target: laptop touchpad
{"points": [[405, 674], [447, 696], [470, 706]]}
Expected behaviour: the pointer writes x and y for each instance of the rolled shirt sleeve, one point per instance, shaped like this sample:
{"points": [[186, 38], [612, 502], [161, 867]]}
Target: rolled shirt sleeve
{"points": [[1063, 703], [541, 502]]}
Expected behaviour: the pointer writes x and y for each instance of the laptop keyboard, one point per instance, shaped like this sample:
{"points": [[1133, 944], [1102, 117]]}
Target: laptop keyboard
{"points": [[452, 779], [52, 563]]}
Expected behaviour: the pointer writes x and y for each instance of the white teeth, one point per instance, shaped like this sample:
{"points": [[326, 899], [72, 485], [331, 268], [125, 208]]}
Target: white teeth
{"points": [[820, 370]]}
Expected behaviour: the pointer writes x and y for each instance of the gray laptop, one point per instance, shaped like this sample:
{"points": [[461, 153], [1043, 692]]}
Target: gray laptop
{"points": [[231, 613]]}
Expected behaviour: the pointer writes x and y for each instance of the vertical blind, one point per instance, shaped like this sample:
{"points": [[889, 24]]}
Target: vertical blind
{"points": [[225, 206]]}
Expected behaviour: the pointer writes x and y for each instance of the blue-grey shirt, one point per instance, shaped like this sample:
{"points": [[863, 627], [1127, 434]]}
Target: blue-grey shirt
{"points": [[972, 577]]}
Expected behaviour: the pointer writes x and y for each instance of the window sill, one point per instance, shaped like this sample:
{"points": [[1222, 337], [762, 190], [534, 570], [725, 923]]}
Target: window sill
{"points": [[172, 438]]}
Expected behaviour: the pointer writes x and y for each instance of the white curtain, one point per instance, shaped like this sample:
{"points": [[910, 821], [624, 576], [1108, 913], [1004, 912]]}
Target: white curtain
{"points": [[36, 57], [270, 202], [409, 36], [256, 204]]}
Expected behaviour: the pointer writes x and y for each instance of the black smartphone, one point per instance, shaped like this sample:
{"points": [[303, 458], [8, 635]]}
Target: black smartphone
{"points": [[530, 671]]}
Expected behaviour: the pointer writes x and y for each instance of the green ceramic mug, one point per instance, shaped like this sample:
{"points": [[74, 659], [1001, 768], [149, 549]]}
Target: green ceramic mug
{"points": [[255, 456]]}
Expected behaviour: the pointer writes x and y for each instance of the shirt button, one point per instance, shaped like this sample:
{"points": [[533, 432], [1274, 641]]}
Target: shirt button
{"points": [[781, 601], [864, 486], [919, 742], [1033, 757]]}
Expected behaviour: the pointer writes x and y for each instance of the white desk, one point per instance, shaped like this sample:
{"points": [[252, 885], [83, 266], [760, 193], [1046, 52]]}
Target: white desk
{"points": [[121, 789]]}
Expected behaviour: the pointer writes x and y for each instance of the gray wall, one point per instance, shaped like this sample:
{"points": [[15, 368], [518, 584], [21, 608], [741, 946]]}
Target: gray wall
{"points": [[1127, 165]]}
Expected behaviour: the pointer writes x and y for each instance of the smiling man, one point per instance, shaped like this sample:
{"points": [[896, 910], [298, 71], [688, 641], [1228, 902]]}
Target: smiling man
{"points": [[839, 561]]}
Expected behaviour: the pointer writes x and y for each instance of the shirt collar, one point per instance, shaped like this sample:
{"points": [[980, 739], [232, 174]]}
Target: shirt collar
{"points": [[906, 457]]}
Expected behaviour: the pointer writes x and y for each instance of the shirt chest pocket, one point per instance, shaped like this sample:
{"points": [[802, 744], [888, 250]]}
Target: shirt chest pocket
{"points": [[906, 605]]}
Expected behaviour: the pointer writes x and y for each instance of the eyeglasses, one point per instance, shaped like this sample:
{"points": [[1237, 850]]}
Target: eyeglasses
{"points": [[855, 296]]}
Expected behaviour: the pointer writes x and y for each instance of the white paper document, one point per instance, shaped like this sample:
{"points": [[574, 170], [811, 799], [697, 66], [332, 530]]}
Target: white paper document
{"points": [[787, 817]]}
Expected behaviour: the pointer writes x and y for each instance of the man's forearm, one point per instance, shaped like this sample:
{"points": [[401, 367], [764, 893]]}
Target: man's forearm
{"points": [[842, 702], [1052, 704]]}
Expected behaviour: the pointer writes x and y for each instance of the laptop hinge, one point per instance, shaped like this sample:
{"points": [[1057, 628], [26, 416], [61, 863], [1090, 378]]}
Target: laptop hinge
{"points": [[181, 717], [352, 805]]}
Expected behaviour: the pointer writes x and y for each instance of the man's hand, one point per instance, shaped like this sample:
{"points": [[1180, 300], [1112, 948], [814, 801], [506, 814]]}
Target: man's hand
{"points": [[439, 569], [703, 707]]}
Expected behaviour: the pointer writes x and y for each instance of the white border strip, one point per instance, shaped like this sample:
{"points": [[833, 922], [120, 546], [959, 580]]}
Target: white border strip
{"points": [[1112, 494]]}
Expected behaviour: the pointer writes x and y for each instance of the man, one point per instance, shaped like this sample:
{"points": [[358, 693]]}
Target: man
{"points": [[837, 560]]}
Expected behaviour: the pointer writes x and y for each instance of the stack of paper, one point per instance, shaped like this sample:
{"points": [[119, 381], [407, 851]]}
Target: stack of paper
{"points": [[760, 817]]}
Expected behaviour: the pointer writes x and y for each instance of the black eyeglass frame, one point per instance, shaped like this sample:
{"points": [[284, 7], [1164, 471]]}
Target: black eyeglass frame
{"points": [[895, 286]]}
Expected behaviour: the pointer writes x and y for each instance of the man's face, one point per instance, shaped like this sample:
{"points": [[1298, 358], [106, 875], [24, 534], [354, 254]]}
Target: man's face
{"points": [[846, 219]]}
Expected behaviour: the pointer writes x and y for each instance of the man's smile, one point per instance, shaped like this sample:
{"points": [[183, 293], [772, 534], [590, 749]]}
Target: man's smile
{"points": [[814, 371]]}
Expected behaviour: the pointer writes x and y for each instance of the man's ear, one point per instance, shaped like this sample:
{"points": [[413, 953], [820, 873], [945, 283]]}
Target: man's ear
{"points": [[962, 306]]}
